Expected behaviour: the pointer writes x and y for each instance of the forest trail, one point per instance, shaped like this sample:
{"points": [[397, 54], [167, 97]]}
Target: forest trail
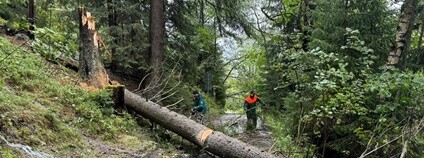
{"points": [[232, 124], [340, 78], [104, 149], [101, 148], [235, 125]]}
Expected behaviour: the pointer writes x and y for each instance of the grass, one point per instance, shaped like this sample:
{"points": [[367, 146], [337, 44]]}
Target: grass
{"points": [[42, 106], [9, 153]]}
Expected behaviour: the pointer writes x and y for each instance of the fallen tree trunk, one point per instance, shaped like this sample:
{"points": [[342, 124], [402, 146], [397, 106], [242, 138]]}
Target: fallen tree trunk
{"points": [[64, 61], [212, 141]]}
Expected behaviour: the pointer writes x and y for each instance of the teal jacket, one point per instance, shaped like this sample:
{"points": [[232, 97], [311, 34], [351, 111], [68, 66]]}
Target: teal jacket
{"points": [[200, 104]]}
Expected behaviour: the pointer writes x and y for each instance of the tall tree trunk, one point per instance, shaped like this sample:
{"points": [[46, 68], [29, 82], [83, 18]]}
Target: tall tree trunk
{"points": [[157, 35], [202, 12], [403, 32], [420, 40], [90, 66], [306, 23], [31, 18], [212, 141], [112, 24]]}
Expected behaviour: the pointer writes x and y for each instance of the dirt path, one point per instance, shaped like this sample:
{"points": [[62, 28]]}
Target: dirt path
{"points": [[105, 150], [235, 126]]}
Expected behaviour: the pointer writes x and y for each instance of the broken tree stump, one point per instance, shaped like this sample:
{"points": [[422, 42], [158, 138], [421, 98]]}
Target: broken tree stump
{"points": [[91, 68]]}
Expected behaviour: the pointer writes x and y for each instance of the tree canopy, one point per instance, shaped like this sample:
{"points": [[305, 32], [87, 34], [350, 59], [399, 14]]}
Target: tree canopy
{"points": [[326, 68]]}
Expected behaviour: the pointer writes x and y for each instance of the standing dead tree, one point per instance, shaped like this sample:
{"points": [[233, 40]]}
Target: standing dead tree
{"points": [[90, 66], [91, 70]]}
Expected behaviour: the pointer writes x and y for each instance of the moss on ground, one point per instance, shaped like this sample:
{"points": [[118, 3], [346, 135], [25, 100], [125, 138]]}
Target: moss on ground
{"points": [[42, 106]]}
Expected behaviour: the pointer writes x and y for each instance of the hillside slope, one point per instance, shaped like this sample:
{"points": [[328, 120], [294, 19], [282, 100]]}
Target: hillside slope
{"points": [[43, 107]]}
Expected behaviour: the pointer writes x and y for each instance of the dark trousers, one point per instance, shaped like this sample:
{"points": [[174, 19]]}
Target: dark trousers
{"points": [[251, 119], [198, 117]]}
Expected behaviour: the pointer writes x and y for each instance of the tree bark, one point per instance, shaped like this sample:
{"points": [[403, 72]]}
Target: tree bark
{"points": [[420, 39], [202, 12], [212, 141], [157, 35], [112, 16], [31, 18], [90, 66], [403, 32]]}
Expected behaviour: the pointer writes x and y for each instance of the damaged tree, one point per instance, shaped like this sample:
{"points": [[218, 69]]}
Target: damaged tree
{"points": [[91, 70], [212, 141], [403, 32], [90, 66]]}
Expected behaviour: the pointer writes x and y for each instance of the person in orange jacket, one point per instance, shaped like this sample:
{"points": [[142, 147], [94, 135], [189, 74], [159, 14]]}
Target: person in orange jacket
{"points": [[250, 109]]}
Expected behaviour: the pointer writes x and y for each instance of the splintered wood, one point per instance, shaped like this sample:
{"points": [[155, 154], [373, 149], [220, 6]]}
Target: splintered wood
{"points": [[87, 19], [91, 68]]}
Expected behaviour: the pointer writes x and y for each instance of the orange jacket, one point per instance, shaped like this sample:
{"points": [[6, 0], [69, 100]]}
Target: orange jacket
{"points": [[251, 100], [250, 103]]}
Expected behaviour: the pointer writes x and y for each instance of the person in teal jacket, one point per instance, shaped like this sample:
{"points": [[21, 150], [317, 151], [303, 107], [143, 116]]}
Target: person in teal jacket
{"points": [[200, 106]]}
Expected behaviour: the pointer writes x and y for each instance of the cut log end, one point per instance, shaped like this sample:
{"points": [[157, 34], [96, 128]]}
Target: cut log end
{"points": [[212, 141], [118, 95]]}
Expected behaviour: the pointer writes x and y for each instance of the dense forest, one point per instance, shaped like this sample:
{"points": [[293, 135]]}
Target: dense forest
{"points": [[338, 78]]}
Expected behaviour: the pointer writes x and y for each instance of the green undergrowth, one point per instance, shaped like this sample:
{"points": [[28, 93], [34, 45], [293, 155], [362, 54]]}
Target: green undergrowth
{"points": [[213, 108], [42, 106], [284, 143]]}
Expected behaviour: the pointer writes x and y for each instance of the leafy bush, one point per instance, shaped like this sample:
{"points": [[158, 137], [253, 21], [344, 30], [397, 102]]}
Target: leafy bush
{"points": [[339, 103], [52, 44]]}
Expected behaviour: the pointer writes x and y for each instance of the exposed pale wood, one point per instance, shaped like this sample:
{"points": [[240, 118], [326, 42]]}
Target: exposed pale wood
{"points": [[91, 68], [212, 141]]}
